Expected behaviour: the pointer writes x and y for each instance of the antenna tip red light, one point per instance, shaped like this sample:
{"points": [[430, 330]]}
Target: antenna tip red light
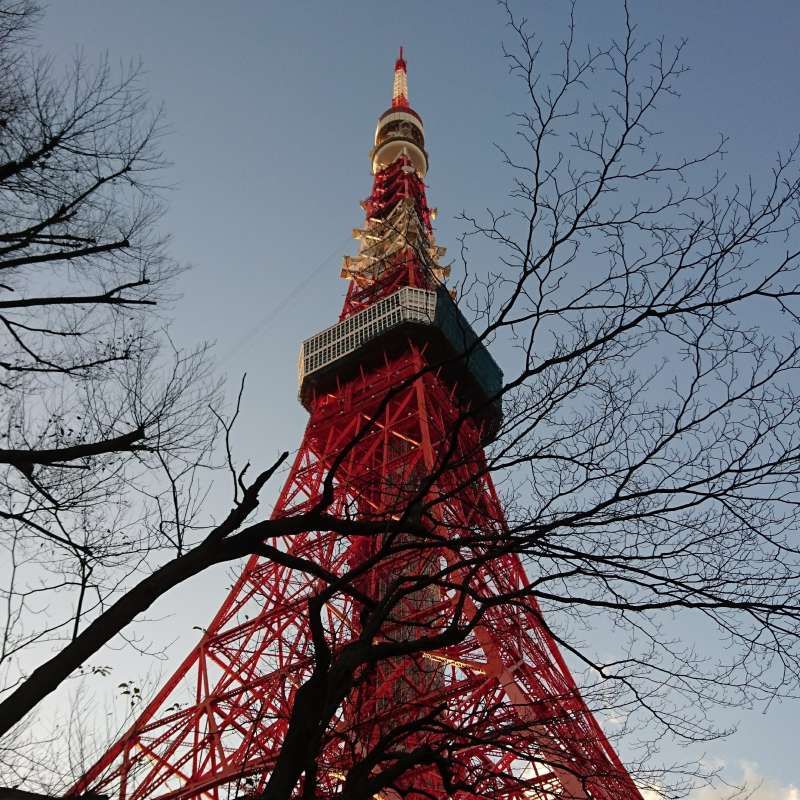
{"points": [[400, 63]]}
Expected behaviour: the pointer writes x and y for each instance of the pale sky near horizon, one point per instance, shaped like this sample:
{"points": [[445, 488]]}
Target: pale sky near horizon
{"points": [[271, 108]]}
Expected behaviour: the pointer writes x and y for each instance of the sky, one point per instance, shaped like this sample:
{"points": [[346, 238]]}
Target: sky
{"points": [[271, 108]]}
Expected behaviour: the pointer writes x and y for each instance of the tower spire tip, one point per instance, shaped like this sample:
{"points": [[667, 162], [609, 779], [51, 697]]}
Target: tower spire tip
{"points": [[400, 89]]}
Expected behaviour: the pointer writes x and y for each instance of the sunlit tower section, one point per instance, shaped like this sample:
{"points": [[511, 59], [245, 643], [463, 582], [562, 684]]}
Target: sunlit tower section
{"points": [[402, 398]]}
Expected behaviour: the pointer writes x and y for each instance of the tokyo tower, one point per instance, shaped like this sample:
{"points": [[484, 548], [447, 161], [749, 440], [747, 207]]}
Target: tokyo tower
{"points": [[383, 663]]}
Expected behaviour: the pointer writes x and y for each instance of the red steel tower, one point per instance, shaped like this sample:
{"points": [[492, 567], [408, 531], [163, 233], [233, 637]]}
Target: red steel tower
{"points": [[402, 398]]}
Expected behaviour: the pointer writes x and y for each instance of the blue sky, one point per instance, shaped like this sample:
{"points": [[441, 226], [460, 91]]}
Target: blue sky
{"points": [[271, 109]]}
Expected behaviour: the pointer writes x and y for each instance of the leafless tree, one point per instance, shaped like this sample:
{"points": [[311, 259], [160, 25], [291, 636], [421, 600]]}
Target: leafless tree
{"points": [[649, 449], [648, 455], [105, 423]]}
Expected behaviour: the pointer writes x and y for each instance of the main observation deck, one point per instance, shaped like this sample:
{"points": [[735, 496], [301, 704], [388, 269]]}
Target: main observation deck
{"points": [[427, 317]]}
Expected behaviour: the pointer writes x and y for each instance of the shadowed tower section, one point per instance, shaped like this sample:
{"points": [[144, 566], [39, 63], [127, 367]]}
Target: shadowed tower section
{"points": [[402, 398]]}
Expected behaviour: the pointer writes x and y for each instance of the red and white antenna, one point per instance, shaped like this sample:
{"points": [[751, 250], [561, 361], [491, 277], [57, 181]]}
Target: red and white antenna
{"points": [[400, 88]]}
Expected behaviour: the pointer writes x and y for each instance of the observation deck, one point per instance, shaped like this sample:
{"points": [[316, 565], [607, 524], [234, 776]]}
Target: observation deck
{"points": [[430, 318]]}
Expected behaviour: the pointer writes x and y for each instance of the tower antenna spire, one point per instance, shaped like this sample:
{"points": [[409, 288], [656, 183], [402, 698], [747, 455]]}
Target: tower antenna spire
{"points": [[400, 87]]}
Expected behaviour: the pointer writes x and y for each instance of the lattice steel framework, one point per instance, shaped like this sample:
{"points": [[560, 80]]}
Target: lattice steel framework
{"points": [[504, 700]]}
